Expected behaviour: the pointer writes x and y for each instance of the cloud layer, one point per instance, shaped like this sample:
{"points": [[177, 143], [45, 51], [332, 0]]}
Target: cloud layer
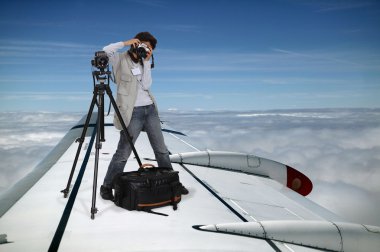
{"points": [[337, 148], [26, 138]]}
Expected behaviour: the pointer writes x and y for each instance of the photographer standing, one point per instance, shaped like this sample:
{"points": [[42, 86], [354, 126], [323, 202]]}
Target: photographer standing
{"points": [[132, 71]]}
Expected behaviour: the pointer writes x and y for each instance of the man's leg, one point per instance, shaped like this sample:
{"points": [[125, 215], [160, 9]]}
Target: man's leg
{"points": [[122, 153], [153, 129]]}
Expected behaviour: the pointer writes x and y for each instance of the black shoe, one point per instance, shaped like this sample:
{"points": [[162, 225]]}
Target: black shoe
{"points": [[106, 193], [184, 191]]}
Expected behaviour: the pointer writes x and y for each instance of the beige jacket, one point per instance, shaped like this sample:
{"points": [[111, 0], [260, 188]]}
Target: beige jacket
{"points": [[127, 86]]}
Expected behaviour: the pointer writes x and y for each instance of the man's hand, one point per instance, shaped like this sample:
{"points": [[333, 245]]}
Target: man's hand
{"points": [[149, 54], [135, 42]]}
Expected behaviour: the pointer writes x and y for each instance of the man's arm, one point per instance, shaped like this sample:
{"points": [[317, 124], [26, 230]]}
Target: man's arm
{"points": [[112, 54], [112, 49]]}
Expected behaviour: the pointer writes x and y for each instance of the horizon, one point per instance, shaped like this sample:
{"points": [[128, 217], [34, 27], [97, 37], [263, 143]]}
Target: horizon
{"points": [[176, 110]]}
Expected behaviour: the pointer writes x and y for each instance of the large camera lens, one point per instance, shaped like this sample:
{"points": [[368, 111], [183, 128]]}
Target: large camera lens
{"points": [[101, 60], [141, 52]]}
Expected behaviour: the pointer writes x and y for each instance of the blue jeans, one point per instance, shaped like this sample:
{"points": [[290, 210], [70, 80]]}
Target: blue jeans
{"points": [[144, 118]]}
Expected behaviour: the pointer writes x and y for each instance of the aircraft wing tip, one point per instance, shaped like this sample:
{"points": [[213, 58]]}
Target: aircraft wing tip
{"points": [[299, 182]]}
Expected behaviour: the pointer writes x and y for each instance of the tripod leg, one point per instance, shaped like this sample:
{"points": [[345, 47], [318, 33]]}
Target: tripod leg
{"points": [[98, 146], [80, 140], [117, 111], [101, 115]]}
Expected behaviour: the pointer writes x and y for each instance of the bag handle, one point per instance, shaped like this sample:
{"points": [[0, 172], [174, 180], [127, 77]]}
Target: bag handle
{"points": [[147, 166]]}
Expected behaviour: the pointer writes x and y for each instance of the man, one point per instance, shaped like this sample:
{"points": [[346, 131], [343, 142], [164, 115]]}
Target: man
{"points": [[136, 104]]}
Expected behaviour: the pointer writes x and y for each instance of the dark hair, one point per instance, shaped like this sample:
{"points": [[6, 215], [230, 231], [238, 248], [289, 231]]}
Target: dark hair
{"points": [[146, 36]]}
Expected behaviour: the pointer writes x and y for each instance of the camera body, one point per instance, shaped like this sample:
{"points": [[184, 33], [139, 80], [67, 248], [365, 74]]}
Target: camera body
{"points": [[101, 60], [142, 50]]}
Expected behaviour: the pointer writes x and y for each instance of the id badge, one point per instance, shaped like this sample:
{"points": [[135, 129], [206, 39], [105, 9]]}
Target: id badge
{"points": [[136, 71]]}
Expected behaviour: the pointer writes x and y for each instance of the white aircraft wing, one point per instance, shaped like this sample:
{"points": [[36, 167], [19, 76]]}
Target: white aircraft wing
{"points": [[237, 202]]}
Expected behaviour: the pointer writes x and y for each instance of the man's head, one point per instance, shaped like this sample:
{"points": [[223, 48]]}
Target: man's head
{"points": [[147, 37]]}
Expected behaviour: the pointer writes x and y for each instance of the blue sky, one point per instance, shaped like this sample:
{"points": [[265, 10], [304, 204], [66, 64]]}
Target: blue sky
{"points": [[223, 55]]}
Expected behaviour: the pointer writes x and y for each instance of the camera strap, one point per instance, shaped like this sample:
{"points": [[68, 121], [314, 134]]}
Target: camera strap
{"points": [[152, 65], [139, 81]]}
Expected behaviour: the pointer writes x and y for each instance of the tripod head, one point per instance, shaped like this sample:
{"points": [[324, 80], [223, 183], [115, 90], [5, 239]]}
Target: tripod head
{"points": [[101, 76], [101, 63]]}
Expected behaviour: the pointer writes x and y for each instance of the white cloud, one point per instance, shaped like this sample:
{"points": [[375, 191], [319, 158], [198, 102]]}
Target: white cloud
{"points": [[343, 5], [316, 57], [150, 3], [43, 96], [275, 60], [338, 149], [336, 5], [182, 28], [44, 49], [26, 138]]}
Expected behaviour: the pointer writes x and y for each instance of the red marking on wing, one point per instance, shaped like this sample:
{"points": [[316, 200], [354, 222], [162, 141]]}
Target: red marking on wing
{"points": [[298, 182]]}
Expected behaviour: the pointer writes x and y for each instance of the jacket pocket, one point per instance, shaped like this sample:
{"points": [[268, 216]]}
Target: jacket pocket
{"points": [[124, 87]]}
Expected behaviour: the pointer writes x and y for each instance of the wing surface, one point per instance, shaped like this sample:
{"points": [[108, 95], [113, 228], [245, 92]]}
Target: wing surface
{"points": [[213, 217]]}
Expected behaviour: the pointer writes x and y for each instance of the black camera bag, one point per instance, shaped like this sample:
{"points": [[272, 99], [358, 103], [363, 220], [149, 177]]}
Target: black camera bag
{"points": [[146, 189]]}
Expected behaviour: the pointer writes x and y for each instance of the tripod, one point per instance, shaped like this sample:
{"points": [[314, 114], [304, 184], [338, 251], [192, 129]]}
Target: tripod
{"points": [[103, 78]]}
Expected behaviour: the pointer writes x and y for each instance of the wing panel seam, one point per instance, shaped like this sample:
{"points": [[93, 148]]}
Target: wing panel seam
{"points": [[270, 242]]}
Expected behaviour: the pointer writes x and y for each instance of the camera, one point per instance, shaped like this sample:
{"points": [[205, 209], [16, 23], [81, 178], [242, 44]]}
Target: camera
{"points": [[142, 50], [101, 60]]}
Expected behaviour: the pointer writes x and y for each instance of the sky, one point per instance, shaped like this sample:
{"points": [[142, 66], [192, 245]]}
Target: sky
{"points": [[273, 74], [219, 55]]}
